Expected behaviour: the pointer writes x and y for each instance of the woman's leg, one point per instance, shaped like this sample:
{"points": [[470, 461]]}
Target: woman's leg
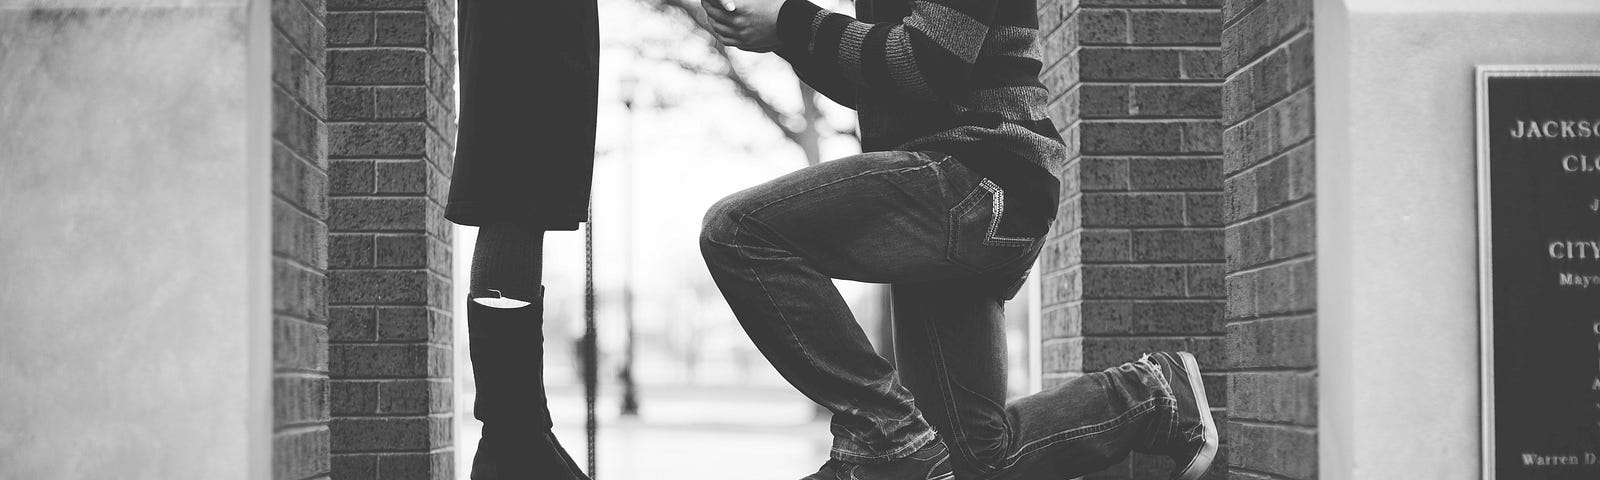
{"points": [[505, 331], [507, 264]]}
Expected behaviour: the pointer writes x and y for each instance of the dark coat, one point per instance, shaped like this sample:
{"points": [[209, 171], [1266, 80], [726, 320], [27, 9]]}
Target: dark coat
{"points": [[529, 86]]}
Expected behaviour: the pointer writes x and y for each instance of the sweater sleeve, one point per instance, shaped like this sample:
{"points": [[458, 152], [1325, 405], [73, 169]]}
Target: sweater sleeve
{"points": [[824, 80], [928, 55]]}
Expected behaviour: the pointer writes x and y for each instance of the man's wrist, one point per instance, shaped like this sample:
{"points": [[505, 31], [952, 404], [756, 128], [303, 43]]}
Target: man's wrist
{"points": [[794, 24]]}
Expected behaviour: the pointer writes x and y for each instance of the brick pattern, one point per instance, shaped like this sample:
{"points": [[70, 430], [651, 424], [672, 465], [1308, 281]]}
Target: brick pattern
{"points": [[391, 124], [300, 443], [1060, 263], [1150, 178], [1270, 238], [1136, 259]]}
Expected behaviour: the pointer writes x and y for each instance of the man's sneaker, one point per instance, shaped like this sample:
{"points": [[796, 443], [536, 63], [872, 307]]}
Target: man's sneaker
{"points": [[931, 462], [1193, 441]]}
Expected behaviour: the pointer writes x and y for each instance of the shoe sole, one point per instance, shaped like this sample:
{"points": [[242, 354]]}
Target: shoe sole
{"points": [[946, 476], [1208, 452]]}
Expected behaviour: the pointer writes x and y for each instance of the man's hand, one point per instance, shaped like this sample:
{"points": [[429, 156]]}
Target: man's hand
{"points": [[749, 25]]}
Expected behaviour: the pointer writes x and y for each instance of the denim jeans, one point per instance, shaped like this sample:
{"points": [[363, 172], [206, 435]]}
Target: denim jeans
{"points": [[933, 229]]}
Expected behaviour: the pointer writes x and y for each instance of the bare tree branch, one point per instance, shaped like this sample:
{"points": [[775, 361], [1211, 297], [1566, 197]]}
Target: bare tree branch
{"points": [[744, 87], [695, 68]]}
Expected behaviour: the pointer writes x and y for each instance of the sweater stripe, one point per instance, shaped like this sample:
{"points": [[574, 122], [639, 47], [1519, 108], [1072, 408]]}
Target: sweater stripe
{"points": [[906, 71], [830, 38], [950, 29], [1016, 104], [1001, 72], [980, 10], [955, 76], [1012, 42], [849, 59], [875, 46]]}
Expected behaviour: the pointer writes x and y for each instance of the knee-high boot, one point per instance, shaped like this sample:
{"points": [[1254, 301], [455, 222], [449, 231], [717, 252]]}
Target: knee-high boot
{"points": [[508, 365]]}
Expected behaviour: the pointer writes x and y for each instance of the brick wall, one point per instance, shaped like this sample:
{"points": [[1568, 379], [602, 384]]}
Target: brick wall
{"points": [[300, 445], [1060, 262], [1270, 240], [1151, 206], [392, 124], [1135, 262]]}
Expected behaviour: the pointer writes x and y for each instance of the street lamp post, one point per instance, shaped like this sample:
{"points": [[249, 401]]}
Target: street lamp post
{"points": [[630, 399]]}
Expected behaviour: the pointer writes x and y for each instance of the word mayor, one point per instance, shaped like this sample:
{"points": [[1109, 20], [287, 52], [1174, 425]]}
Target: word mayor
{"points": [[1576, 250]]}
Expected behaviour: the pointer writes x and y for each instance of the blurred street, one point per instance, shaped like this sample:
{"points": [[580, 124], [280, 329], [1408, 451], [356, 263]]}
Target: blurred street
{"points": [[686, 432]]}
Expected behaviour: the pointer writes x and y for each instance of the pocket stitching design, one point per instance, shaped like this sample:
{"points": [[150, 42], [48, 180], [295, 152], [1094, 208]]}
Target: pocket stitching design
{"points": [[953, 223], [992, 237], [954, 227]]}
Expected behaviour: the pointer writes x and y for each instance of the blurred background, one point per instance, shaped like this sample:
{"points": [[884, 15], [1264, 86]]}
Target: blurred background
{"points": [[684, 122]]}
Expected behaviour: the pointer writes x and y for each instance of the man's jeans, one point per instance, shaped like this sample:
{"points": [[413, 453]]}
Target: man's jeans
{"points": [[930, 227]]}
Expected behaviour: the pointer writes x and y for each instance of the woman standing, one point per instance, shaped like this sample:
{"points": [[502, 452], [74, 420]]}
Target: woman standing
{"points": [[524, 164]]}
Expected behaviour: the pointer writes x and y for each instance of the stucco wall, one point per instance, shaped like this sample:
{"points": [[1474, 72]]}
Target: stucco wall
{"points": [[1396, 220], [133, 328]]}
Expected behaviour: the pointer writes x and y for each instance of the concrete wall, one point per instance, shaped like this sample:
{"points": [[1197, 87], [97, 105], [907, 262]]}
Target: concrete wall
{"points": [[133, 188], [1398, 336]]}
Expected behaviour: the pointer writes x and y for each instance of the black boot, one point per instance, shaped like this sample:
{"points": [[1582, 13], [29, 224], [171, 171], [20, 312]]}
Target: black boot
{"points": [[508, 364]]}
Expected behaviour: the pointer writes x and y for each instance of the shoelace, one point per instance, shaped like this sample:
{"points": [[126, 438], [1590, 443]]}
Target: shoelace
{"points": [[1156, 367], [1153, 365]]}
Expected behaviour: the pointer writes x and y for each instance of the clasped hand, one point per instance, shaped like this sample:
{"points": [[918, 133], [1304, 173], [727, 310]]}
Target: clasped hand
{"points": [[749, 25]]}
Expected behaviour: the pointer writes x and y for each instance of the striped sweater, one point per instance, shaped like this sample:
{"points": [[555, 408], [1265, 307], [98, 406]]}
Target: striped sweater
{"points": [[959, 77]]}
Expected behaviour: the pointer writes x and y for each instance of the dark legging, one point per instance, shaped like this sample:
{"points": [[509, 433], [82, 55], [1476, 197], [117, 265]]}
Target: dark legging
{"points": [[508, 261], [508, 358]]}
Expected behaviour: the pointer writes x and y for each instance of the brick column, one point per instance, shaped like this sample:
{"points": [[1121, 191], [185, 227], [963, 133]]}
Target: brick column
{"points": [[1060, 263], [299, 242], [391, 122], [1270, 239], [1139, 243], [1151, 181], [1152, 190]]}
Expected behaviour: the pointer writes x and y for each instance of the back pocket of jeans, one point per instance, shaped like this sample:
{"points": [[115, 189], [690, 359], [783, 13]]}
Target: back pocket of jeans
{"points": [[975, 241]]}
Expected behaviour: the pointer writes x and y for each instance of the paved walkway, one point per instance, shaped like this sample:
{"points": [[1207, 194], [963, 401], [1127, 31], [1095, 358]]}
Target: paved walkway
{"points": [[689, 433]]}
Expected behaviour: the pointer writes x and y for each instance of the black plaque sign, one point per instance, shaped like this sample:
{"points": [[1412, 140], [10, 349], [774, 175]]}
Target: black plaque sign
{"points": [[1539, 178]]}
